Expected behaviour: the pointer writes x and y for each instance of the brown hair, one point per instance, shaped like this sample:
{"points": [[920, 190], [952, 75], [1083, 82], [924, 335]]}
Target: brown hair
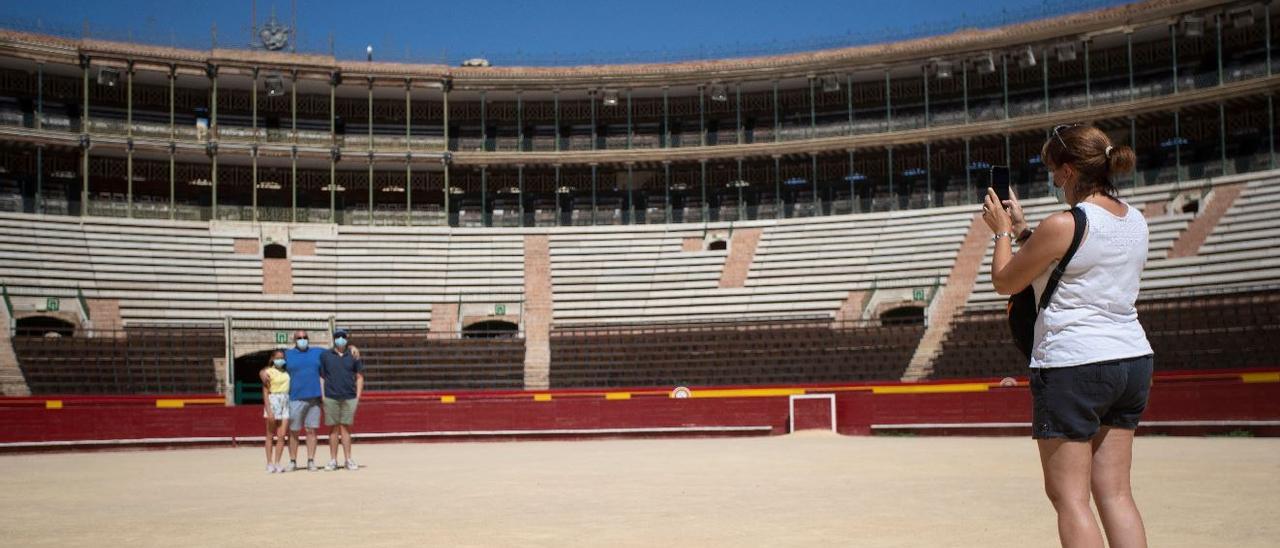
{"points": [[271, 358], [1086, 149]]}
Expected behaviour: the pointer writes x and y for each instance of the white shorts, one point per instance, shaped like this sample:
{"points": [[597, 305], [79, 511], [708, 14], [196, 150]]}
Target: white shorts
{"points": [[279, 405]]}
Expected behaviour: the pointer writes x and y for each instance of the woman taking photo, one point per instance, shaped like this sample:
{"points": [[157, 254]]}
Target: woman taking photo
{"points": [[1090, 360]]}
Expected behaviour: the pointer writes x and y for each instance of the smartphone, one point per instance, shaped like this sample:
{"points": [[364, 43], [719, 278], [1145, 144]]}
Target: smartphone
{"points": [[1000, 181]]}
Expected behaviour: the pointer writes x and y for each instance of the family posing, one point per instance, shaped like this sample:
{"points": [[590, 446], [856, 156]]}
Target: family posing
{"points": [[296, 384]]}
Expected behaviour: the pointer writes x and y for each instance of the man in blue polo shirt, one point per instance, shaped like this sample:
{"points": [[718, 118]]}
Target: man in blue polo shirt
{"points": [[303, 363]]}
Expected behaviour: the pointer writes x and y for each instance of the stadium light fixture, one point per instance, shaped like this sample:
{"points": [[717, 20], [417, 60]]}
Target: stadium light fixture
{"points": [[942, 69], [108, 77], [719, 94], [1192, 26], [1026, 58], [737, 184], [564, 190], [338, 188], [274, 84], [830, 83], [455, 190], [986, 64], [610, 98], [368, 52], [269, 185], [200, 182], [1241, 17], [1066, 51], [513, 190], [393, 188], [679, 186]]}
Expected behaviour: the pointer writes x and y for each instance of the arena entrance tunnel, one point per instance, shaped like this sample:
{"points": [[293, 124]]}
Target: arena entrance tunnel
{"points": [[491, 329], [248, 387], [903, 315], [44, 326]]}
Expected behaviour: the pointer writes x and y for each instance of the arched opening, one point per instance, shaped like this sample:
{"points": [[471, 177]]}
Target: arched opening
{"points": [[44, 326], [248, 387], [274, 251], [491, 329], [718, 245], [903, 315]]}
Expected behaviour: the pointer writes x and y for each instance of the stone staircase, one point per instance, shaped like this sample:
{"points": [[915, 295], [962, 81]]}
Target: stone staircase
{"points": [[852, 306], [742, 250], [1189, 242], [537, 312], [951, 300], [12, 383]]}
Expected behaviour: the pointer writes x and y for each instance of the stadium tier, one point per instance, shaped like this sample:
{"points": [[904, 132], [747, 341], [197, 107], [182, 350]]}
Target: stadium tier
{"points": [[877, 296], [805, 218]]}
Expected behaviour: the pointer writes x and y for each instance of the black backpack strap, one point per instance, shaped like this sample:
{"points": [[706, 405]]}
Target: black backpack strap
{"points": [[1081, 223]]}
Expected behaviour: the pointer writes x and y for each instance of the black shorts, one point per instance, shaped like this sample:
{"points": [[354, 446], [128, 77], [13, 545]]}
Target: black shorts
{"points": [[1073, 402]]}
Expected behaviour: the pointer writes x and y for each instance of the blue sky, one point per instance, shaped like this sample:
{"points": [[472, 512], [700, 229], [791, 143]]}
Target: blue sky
{"points": [[534, 32]]}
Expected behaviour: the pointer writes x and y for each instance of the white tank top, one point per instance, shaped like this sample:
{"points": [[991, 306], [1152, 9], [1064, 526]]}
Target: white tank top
{"points": [[1091, 316]]}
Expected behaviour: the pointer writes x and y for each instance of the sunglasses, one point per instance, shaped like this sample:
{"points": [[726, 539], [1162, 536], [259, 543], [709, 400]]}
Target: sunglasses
{"points": [[1057, 132]]}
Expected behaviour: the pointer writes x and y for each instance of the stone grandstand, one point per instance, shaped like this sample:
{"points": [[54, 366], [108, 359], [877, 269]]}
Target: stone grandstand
{"points": [[792, 219], [879, 296]]}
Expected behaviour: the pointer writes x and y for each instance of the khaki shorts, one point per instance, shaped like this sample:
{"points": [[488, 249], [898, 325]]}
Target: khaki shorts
{"points": [[340, 411]]}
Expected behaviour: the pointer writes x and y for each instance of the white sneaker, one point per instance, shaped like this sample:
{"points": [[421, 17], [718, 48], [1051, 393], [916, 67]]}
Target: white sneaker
{"points": [[280, 469], [311, 466], [292, 466], [271, 469], [333, 465], [351, 465]]}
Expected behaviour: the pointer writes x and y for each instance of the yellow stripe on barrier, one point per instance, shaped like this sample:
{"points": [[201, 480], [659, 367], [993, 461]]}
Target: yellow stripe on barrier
{"points": [[930, 388], [204, 401], [448, 399], [53, 404], [542, 397], [1260, 377], [746, 392], [617, 396], [170, 404]]}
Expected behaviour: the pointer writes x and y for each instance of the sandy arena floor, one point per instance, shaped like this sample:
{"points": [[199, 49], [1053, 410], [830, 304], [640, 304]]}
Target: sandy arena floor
{"points": [[811, 488]]}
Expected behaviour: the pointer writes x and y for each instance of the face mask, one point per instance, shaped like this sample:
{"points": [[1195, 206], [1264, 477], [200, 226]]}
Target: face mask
{"points": [[340, 341], [279, 362], [1058, 193], [302, 344]]}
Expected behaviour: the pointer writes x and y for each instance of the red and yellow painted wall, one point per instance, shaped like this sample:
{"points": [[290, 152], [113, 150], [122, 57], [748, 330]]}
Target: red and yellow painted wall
{"points": [[1192, 403]]}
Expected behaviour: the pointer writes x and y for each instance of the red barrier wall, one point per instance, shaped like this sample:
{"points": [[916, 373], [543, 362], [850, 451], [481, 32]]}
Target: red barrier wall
{"points": [[859, 411], [136, 422]]}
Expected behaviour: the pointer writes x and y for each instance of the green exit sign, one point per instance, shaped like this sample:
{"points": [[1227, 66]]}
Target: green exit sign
{"points": [[52, 304], [500, 309], [282, 337], [918, 294]]}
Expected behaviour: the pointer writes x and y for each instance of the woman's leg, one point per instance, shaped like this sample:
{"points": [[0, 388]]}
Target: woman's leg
{"points": [[1066, 480], [1112, 458], [271, 427], [281, 427]]}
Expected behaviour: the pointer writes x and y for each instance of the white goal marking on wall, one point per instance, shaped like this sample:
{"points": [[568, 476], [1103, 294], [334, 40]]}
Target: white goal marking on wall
{"points": [[791, 403]]}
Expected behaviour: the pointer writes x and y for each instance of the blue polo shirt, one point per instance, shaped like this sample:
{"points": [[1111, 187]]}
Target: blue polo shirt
{"points": [[304, 372], [339, 372]]}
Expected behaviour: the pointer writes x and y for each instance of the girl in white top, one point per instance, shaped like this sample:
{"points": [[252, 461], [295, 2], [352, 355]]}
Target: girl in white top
{"points": [[1091, 362]]}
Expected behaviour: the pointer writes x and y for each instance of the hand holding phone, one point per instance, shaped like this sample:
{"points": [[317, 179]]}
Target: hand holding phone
{"points": [[1000, 182]]}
